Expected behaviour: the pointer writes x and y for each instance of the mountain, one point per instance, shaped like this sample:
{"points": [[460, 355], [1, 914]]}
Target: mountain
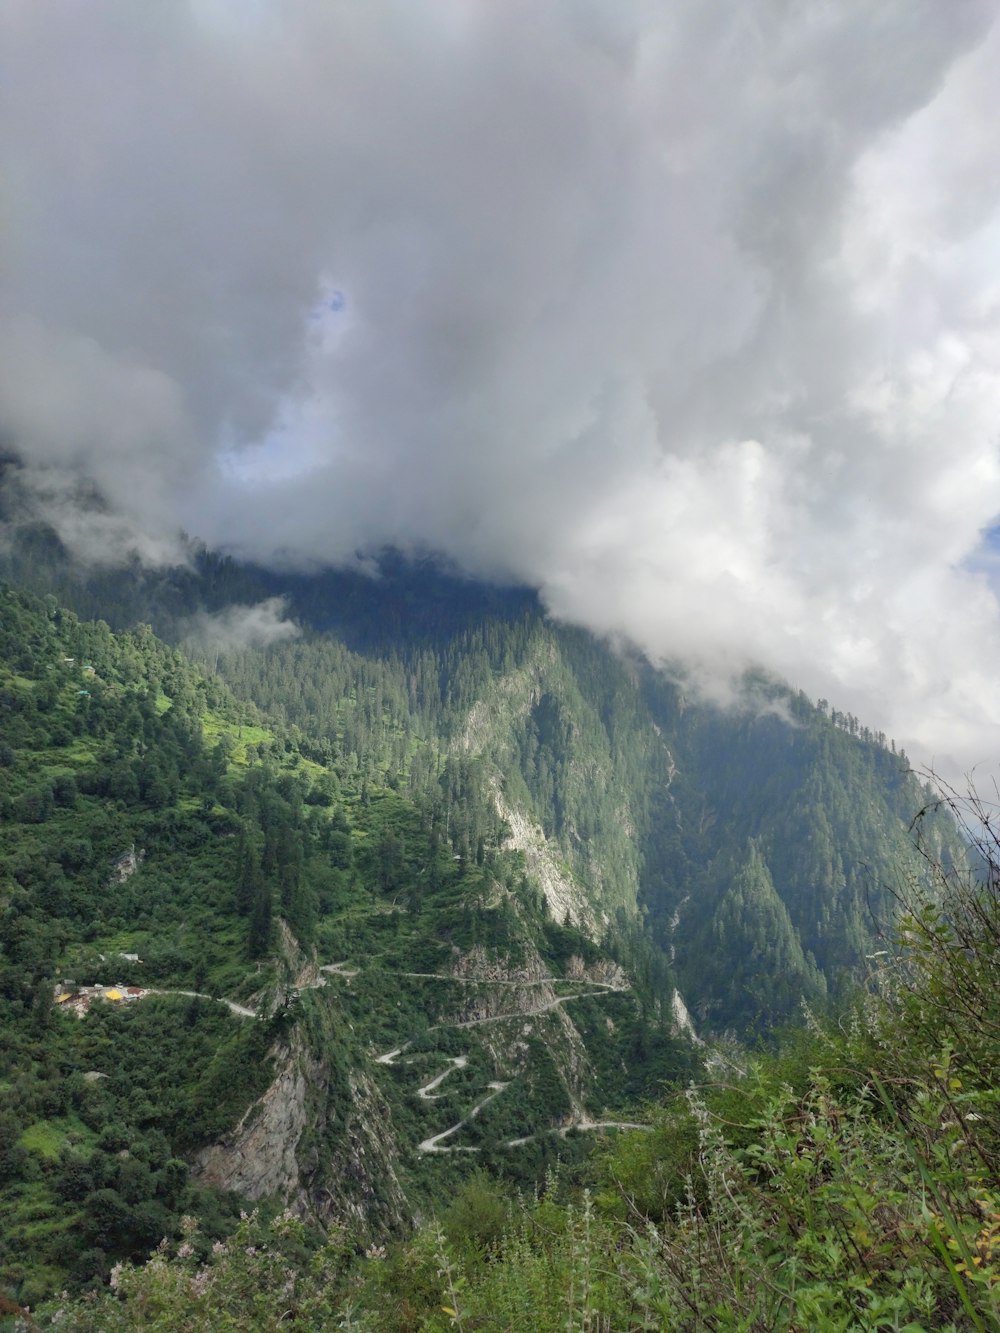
{"points": [[629, 798], [416, 888], [229, 967]]}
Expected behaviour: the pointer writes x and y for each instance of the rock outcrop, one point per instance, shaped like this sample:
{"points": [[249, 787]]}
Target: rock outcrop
{"points": [[258, 1157]]}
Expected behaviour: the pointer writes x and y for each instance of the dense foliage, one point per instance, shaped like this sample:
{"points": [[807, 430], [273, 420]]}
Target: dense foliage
{"points": [[119, 817], [332, 858], [654, 801], [848, 1181], [160, 835]]}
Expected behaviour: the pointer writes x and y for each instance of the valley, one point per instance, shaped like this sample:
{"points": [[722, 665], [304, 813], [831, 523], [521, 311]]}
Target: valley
{"points": [[555, 894], [489, 496]]}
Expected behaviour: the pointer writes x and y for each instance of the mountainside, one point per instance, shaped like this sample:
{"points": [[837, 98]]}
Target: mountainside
{"points": [[416, 888], [292, 977], [627, 796]]}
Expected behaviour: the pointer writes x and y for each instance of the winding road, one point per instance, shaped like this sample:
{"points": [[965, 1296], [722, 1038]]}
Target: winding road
{"points": [[456, 1062], [431, 1144], [240, 1009], [434, 1143], [580, 1122]]}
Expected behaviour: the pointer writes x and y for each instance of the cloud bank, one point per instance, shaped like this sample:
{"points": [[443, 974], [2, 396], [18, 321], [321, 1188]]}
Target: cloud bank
{"points": [[687, 314]]}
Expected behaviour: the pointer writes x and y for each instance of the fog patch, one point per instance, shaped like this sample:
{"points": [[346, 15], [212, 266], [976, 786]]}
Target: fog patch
{"points": [[237, 627], [94, 534]]}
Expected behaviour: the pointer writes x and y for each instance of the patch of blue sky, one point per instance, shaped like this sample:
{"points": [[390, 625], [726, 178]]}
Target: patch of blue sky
{"points": [[328, 319], [298, 440], [287, 450], [328, 307], [985, 558]]}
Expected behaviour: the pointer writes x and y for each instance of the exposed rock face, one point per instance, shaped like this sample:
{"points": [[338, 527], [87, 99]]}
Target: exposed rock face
{"points": [[125, 866], [276, 1149], [514, 695], [487, 727], [683, 1026], [604, 972], [258, 1157], [359, 1185], [563, 894], [477, 965]]}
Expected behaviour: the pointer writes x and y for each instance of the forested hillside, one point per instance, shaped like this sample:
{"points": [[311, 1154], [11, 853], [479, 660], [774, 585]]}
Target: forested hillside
{"points": [[487, 493], [847, 1180], [197, 914], [624, 792], [403, 894]]}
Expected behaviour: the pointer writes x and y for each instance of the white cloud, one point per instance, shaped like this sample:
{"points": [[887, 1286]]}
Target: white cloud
{"points": [[244, 626], [687, 314]]}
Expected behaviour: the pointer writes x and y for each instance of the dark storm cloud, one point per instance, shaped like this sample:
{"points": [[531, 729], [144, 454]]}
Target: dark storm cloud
{"points": [[685, 313]]}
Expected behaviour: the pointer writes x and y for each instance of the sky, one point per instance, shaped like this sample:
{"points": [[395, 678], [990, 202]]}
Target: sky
{"points": [[685, 313]]}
